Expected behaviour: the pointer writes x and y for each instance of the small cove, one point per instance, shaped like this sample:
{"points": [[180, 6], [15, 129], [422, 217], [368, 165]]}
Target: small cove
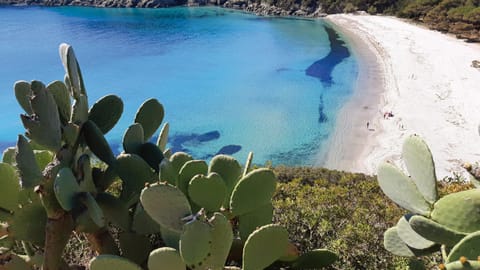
{"points": [[230, 82]]}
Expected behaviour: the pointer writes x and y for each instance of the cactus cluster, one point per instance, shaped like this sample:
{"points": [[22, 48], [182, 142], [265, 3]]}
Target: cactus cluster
{"points": [[450, 224], [56, 181]]}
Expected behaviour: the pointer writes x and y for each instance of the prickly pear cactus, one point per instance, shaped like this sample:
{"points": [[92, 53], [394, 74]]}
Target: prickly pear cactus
{"points": [[58, 172], [452, 222], [271, 241]]}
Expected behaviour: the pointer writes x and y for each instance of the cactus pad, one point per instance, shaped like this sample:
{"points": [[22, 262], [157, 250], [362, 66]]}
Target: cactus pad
{"points": [[165, 258], [230, 171], [253, 190], [43, 157], [291, 254], [115, 211], [468, 247], [459, 211], [315, 259], [28, 224], [84, 223], [104, 178], [94, 211], [106, 112], [195, 243], [142, 223], [72, 70], [264, 246], [133, 138], [30, 174], [66, 188], [222, 238], [249, 222], [151, 154], [163, 137], [44, 126], [61, 96], [410, 237], [207, 191], [401, 189], [103, 262], [97, 143], [188, 171], [23, 93], [434, 231], [167, 172], [150, 116], [10, 188], [248, 163], [394, 244], [420, 165], [167, 153], [468, 265], [134, 172], [85, 170], [170, 238], [166, 205], [179, 159], [9, 155], [135, 247], [80, 110], [71, 132]]}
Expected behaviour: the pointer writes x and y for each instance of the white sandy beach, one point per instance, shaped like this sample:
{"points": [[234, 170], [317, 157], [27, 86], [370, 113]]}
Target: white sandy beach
{"points": [[424, 78]]}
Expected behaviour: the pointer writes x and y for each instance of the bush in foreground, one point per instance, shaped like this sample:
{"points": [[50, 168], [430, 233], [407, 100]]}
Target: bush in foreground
{"points": [[345, 212]]}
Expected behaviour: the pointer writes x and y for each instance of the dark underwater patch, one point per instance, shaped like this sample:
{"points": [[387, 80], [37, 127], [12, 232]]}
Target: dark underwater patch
{"points": [[229, 149], [323, 68]]}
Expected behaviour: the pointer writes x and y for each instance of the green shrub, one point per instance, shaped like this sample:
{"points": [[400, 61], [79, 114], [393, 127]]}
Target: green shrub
{"points": [[345, 212]]}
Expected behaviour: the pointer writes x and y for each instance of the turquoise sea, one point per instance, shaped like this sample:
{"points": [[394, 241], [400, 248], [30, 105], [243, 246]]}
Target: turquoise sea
{"points": [[230, 82]]}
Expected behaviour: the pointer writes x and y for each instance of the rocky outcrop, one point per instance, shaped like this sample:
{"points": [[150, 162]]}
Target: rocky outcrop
{"points": [[246, 5], [264, 9]]}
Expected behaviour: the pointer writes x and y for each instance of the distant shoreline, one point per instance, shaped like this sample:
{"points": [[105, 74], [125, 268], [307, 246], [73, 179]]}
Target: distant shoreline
{"points": [[348, 141], [430, 86]]}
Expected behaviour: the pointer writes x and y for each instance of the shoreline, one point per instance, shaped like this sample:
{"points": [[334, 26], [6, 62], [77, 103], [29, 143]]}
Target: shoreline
{"points": [[347, 142], [428, 84]]}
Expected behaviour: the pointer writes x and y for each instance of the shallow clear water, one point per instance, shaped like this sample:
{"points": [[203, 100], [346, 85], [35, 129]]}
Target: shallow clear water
{"points": [[225, 78]]}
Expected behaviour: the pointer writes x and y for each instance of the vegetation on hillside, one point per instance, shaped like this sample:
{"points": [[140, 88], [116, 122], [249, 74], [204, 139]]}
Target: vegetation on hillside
{"points": [[461, 17], [345, 212]]}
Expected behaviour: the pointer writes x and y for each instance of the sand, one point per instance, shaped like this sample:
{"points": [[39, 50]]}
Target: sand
{"points": [[425, 78]]}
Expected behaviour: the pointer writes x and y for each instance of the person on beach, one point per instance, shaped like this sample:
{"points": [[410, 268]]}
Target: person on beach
{"points": [[368, 124], [387, 115]]}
